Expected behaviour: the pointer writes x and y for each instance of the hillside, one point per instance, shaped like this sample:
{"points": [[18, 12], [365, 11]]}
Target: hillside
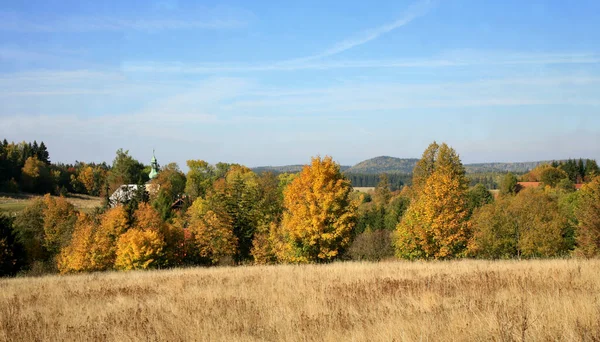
{"points": [[286, 168], [386, 164]]}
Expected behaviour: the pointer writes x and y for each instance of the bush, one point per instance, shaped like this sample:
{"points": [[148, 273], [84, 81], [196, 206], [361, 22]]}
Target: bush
{"points": [[372, 246]]}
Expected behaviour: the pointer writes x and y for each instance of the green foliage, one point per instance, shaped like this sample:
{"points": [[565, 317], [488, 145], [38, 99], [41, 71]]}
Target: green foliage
{"points": [[383, 164], [199, 179], [552, 176], [479, 196], [528, 225], [126, 170], [171, 183], [508, 185], [588, 217]]}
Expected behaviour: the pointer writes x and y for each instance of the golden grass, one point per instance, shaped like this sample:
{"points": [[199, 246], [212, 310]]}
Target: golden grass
{"points": [[552, 300], [365, 189], [14, 203]]}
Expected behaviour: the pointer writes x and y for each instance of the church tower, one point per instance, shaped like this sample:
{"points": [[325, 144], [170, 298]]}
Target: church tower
{"points": [[154, 165]]}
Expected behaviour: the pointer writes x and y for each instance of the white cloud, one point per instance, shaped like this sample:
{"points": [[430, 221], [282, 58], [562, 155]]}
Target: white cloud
{"points": [[453, 60]]}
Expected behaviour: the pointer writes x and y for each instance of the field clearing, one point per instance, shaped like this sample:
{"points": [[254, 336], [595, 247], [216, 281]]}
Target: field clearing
{"points": [[13, 203], [366, 189], [390, 301]]}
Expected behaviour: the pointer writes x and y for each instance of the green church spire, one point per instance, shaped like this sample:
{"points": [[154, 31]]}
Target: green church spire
{"points": [[154, 165]]}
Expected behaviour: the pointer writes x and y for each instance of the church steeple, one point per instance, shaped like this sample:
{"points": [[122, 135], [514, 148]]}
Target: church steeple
{"points": [[154, 165]]}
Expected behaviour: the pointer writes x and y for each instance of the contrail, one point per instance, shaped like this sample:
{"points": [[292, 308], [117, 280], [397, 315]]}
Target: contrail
{"points": [[414, 11]]}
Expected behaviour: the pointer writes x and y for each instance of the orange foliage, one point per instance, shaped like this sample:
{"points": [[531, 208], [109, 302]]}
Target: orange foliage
{"points": [[139, 249], [319, 214]]}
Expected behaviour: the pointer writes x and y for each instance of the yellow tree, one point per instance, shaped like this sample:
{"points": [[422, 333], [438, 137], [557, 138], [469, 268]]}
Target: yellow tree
{"points": [[103, 252], [86, 177], [76, 257], [148, 218], [36, 176], [588, 216], [212, 231], [436, 224], [139, 249], [93, 244], [59, 222], [319, 214]]}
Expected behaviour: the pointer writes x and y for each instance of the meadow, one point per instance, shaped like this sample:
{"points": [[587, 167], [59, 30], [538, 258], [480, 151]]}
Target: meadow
{"points": [[539, 300], [11, 204]]}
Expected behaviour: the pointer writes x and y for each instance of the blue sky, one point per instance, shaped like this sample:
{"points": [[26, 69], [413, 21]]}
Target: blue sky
{"points": [[273, 83]]}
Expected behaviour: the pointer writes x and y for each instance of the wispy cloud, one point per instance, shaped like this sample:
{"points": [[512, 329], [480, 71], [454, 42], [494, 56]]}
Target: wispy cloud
{"points": [[451, 60], [210, 20]]}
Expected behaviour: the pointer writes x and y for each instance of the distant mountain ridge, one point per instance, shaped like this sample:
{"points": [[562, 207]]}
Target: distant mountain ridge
{"points": [[387, 164]]}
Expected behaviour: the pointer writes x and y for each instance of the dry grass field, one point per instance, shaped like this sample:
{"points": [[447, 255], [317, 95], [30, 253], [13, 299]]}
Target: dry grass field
{"points": [[365, 189], [13, 203], [553, 300]]}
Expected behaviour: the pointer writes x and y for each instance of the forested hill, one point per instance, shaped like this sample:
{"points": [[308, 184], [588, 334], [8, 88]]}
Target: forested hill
{"points": [[286, 168], [391, 165], [384, 164], [522, 167]]}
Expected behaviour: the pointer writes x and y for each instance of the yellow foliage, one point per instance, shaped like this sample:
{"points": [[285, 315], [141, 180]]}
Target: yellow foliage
{"points": [[76, 257], [113, 223], [139, 249], [319, 214], [86, 177], [147, 218], [213, 233], [93, 246], [59, 222], [436, 224]]}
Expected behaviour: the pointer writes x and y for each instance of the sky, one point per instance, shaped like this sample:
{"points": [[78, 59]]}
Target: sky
{"points": [[276, 82]]}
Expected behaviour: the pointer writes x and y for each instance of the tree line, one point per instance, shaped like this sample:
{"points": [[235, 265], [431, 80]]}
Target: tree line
{"points": [[228, 214]]}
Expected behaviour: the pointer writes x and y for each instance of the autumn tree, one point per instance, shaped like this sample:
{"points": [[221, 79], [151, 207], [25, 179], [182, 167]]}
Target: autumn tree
{"points": [[199, 178], [588, 216], [29, 227], [59, 222], [36, 176], [77, 255], [126, 170], [139, 249], [87, 178], [212, 231], [319, 215], [551, 176], [436, 225], [112, 224], [509, 184], [425, 167], [528, 225], [170, 183], [479, 196]]}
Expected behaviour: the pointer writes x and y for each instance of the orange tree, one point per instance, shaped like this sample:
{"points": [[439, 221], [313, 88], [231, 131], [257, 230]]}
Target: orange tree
{"points": [[319, 214]]}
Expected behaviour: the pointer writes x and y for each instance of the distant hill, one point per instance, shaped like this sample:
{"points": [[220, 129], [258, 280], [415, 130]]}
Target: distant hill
{"points": [[384, 164], [393, 165], [503, 167], [286, 168]]}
